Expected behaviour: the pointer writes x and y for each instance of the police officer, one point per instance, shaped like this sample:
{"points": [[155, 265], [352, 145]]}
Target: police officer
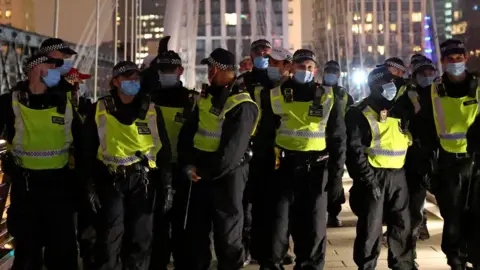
{"points": [[336, 197], [455, 106], [262, 164], [58, 49], [176, 103], [415, 107], [40, 128], [397, 67], [125, 139], [259, 50], [377, 145], [213, 146], [308, 130]]}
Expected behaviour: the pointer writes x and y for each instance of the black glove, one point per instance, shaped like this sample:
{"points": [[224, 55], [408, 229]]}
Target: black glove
{"points": [[93, 198], [168, 195]]}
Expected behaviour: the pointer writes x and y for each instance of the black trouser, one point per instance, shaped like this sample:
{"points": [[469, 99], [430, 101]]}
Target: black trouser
{"points": [[393, 207], [86, 235], [299, 206], [124, 222], [41, 215], [453, 192], [162, 240], [216, 201], [417, 195], [334, 206]]}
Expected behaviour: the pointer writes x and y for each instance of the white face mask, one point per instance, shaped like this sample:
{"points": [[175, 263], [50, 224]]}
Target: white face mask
{"points": [[389, 91]]}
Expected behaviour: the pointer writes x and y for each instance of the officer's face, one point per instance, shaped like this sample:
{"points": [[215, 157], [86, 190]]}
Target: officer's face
{"points": [[283, 66], [246, 65], [260, 51], [454, 58], [117, 81], [59, 55], [40, 71], [396, 71], [177, 70], [307, 65]]}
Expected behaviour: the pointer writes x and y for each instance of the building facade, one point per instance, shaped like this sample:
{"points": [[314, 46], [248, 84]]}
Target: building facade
{"points": [[234, 24], [18, 14]]}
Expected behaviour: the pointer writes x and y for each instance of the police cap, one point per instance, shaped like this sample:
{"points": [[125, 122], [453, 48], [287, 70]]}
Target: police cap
{"points": [[395, 62], [261, 43], [56, 44], [303, 55], [124, 68], [422, 65], [38, 59], [332, 66], [220, 58], [452, 46], [379, 76]]}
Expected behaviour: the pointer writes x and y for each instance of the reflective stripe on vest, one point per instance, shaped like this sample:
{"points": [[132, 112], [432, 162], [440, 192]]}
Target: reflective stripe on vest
{"points": [[298, 131], [120, 143], [209, 132], [42, 137], [453, 118], [400, 92], [389, 145], [173, 118]]}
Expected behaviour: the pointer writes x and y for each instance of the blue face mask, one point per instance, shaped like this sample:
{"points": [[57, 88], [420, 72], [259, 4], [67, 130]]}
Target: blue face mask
{"points": [[303, 76], [260, 62], [67, 65], [424, 82], [456, 69], [130, 88], [274, 74], [389, 91], [52, 78], [168, 80], [330, 79]]}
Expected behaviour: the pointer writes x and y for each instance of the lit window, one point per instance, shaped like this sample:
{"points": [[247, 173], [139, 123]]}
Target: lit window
{"points": [[329, 26], [368, 27], [27, 15], [448, 20], [380, 27], [156, 29], [369, 17], [448, 4], [152, 23], [157, 35], [355, 28], [8, 13], [457, 15], [162, 29], [417, 49], [118, 18], [381, 50], [416, 17], [448, 13], [147, 35], [370, 48], [144, 24], [459, 28], [356, 17], [393, 27], [231, 18]]}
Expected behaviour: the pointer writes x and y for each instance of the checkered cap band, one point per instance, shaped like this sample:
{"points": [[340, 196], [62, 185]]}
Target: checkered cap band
{"points": [[169, 61], [376, 77], [29, 65], [124, 69], [52, 48], [423, 64], [73, 76], [453, 46], [260, 43], [395, 65], [221, 66], [305, 56]]}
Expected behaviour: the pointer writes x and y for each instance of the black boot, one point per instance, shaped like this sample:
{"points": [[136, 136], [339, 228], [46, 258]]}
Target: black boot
{"points": [[287, 260]]}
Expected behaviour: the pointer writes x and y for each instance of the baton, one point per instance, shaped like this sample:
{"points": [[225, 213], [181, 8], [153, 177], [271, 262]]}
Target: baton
{"points": [[187, 207]]}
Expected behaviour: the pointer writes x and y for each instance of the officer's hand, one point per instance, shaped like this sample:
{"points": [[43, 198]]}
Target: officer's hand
{"points": [[93, 199], [192, 174], [168, 193]]}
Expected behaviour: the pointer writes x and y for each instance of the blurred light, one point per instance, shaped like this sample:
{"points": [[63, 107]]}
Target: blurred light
{"points": [[475, 7], [359, 77], [3, 141], [427, 17], [428, 38], [427, 26], [428, 50]]}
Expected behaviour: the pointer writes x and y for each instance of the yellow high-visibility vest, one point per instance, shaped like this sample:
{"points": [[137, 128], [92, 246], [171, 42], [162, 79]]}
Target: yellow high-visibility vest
{"points": [[453, 117], [299, 131], [174, 119], [120, 143], [389, 145], [209, 132], [42, 137], [400, 92]]}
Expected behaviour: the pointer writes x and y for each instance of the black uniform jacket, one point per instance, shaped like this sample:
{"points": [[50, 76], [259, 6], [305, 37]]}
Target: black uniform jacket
{"points": [[53, 97], [340, 92], [255, 77], [125, 114], [175, 97], [335, 130], [235, 139]]}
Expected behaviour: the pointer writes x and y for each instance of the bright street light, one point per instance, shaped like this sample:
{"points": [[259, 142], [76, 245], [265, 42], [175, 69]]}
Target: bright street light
{"points": [[359, 77]]}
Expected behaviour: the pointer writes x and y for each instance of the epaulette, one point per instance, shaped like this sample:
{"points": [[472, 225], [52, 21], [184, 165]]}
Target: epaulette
{"points": [[474, 83], [144, 106], [109, 104], [442, 91]]}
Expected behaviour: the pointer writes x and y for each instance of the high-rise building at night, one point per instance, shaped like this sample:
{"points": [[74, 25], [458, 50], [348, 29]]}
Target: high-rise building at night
{"points": [[234, 24], [361, 34], [150, 24], [466, 24], [18, 14]]}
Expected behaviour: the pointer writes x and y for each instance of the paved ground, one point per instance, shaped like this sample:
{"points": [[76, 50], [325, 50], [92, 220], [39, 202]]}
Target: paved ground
{"points": [[340, 244]]}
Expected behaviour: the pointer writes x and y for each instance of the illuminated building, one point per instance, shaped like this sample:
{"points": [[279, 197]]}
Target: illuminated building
{"points": [[466, 24], [18, 14]]}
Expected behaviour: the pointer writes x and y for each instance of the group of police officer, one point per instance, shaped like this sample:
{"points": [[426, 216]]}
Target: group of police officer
{"points": [[150, 170]]}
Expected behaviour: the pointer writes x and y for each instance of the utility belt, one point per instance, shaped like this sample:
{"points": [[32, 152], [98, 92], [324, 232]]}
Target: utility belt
{"points": [[446, 156], [300, 159], [125, 173]]}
